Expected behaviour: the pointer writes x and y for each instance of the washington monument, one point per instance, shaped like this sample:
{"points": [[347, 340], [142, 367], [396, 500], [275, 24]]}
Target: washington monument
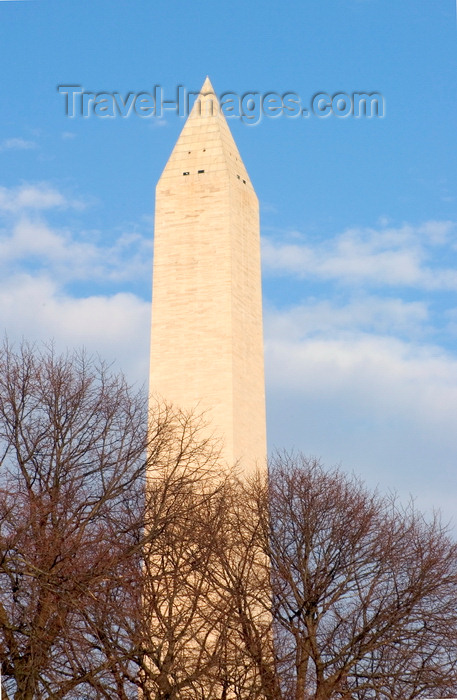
{"points": [[206, 338]]}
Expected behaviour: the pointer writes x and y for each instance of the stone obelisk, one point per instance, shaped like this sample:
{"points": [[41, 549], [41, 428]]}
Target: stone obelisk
{"points": [[206, 338]]}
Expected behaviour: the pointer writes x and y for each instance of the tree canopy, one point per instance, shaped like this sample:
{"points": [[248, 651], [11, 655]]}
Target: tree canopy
{"points": [[132, 560]]}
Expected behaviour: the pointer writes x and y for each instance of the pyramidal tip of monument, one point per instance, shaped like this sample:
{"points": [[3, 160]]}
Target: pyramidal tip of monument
{"points": [[207, 103], [205, 131], [207, 87]]}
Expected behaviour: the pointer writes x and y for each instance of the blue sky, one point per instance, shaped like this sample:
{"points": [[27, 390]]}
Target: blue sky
{"points": [[359, 216]]}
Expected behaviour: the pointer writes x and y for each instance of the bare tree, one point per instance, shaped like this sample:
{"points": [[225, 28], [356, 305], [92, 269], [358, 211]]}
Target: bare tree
{"points": [[364, 590], [303, 585], [72, 445], [130, 562], [241, 575], [171, 613], [80, 532]]}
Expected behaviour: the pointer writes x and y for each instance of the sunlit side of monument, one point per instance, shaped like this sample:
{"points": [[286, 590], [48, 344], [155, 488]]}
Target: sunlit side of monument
{"points": [[206, 337], [207, 363]]}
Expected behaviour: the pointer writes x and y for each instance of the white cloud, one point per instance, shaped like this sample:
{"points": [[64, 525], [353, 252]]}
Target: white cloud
{"points": [[348, 389], [158, 122], [38, 262], [361, 314], [27, 239], [40, 196], [116, 326], [36, 239], [405, 256], [17, 144], [383, 371]]}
